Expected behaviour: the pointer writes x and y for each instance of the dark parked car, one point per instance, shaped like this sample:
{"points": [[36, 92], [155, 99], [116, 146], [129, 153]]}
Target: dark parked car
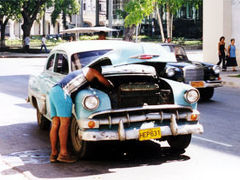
{"points": [[203, 76]]}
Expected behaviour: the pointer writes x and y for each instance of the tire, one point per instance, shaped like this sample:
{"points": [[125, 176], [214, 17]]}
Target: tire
{"points": [[206, 94], [81, 148], [180, 142], [43, 122]]}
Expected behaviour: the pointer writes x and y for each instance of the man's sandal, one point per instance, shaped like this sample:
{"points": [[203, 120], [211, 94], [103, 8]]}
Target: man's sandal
{"points": [[53, 158], [66, 158]]}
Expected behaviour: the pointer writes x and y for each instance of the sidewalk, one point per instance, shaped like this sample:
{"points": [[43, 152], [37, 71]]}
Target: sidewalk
{"points": [[22, 55], [229, 79]]}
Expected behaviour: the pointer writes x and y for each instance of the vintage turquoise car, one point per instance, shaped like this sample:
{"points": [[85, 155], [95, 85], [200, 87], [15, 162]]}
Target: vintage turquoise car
{"points": [[141, 106]]}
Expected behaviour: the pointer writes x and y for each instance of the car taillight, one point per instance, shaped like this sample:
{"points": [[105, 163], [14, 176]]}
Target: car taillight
{"points": [[145, 57]]}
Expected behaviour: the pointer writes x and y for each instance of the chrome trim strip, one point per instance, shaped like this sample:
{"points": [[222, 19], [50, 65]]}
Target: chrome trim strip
{"points": [[148, 107]]}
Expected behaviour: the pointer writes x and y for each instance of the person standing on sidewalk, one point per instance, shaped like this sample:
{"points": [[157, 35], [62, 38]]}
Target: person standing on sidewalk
{"points": [[26, 44], [221, 53], [231, 61], [44, 44]]}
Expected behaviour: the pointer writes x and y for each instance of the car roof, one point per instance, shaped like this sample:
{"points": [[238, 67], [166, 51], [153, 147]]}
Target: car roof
{"points": [[91, 45]]}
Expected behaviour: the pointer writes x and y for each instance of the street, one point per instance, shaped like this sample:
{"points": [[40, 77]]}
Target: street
{"points": [[25, 149]]}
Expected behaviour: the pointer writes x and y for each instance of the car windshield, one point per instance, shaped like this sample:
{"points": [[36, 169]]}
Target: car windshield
{"points": [[82, 59], [178, 52]]}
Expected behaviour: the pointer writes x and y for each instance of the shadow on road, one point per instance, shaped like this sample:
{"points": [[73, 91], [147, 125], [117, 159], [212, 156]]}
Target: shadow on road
{"points": [[30, 153], [15, 85]]}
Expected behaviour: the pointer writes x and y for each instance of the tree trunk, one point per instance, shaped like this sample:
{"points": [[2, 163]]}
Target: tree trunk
{"points": [[168, 21], [129, 33], [3, 25], [26, 27], [160, 23], [171, 29]]}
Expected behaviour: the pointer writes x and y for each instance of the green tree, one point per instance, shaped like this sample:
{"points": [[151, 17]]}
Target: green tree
{"points": [[8, 10], [171, 8], [137, 10], [32, 8], [66, 8]]}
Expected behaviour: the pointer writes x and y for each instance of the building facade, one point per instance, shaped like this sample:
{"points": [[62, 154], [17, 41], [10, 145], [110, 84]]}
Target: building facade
{"points": [[220, 18], [89, 11]]}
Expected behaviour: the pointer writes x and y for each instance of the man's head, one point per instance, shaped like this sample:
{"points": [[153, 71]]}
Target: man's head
{"points": [[101, 35], [169, 40]]}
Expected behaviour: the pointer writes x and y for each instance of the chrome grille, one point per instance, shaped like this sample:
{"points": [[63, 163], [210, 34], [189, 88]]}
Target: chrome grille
{"points": [[193, 74]]}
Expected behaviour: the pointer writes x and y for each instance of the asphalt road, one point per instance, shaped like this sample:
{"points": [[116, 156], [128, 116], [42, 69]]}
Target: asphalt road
{"points": [[24, 149]]}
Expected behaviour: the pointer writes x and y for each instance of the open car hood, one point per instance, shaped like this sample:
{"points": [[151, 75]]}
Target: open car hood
{"points": [[136, 69]]}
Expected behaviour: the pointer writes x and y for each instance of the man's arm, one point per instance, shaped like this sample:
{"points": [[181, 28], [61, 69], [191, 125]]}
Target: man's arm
{"points": [[93, 73]]}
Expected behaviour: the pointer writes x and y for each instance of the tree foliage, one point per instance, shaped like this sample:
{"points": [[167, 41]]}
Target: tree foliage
{"points": [[66, 8], [8, 10], [30, 10], [137, 10]]}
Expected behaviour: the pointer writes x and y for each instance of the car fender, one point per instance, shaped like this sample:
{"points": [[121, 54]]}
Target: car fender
{"points": [[179, 90], [81, 112]]}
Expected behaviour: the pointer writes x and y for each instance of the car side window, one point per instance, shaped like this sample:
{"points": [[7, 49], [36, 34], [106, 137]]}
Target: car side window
{"points": [[50, 62], [61, 64]]}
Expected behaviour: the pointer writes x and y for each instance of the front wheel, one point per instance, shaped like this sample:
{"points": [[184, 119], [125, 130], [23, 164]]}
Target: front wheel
{"points": [[80, 147], [179, 142], [206, 93]]}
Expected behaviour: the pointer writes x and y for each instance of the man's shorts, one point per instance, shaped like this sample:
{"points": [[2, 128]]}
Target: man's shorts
{"points": [[60, 103]]}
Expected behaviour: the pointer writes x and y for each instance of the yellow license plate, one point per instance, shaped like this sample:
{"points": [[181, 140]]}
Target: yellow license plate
{"points": [[197, 84], [151, 133]]}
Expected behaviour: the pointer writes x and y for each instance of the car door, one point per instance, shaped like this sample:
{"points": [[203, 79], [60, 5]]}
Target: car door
{"points": [[56, 69]]}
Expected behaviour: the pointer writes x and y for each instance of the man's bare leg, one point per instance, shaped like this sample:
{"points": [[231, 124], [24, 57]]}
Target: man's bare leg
{"points": [[54, 138], [63, 135]]}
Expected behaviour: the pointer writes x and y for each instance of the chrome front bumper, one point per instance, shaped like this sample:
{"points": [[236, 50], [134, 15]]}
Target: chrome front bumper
{"points": [[125, 133], [210, 84], [213, 84]]}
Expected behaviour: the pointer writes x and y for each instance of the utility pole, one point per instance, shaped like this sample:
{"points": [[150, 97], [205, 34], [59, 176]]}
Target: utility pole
{"points": [[110, 15], [97, 12], [81, 13], [44, 22]]}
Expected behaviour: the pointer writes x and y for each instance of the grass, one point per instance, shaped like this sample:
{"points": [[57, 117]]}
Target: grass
{"points": [[33, 43], [237, 76]]}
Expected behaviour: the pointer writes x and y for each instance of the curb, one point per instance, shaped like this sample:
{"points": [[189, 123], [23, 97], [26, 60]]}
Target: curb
{"points": [[231, 84], [29, 56]]}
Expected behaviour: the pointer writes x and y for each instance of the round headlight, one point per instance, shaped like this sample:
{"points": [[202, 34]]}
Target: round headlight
{"points": [[192, 96], [91, 102], [170, 72], [216, 69]]}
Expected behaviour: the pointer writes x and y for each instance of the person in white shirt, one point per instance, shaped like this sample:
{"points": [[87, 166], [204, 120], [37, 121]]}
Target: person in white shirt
{"points": [[44, 44], [26, 43]]}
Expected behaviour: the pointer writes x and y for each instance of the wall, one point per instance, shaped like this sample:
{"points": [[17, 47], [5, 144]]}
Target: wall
{"points": [[236, 26], [217, 22]]}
